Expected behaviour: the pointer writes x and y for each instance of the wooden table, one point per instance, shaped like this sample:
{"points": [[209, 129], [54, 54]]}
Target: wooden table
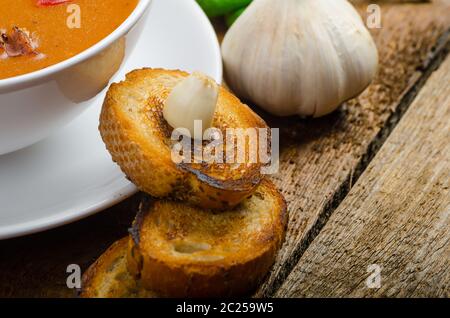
{"points": [[368, 187]]}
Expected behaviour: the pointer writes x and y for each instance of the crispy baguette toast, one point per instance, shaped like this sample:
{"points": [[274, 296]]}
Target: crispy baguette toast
{"points": [[139, 140], [182, 251], [108, 277]]}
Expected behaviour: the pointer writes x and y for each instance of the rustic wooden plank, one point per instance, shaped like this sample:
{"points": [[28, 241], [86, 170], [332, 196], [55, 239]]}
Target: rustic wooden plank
{"points": [[321, 159], [397, 216]]}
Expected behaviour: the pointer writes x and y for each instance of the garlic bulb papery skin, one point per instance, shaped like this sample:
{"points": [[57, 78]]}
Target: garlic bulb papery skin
{"points": [[301, 57], [193, 99]]}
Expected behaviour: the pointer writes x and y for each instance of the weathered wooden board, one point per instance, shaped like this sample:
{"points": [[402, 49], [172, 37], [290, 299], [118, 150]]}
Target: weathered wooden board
{"points": [[322, 158], [35, 266], [397, 216]]}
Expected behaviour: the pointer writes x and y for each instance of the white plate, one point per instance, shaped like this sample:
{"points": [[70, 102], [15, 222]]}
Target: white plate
{"points": [[70, 176]]}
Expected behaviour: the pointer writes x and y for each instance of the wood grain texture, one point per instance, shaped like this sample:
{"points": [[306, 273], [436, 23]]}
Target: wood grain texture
{"points": [[397, 216], [35, 265], [321, 159]]}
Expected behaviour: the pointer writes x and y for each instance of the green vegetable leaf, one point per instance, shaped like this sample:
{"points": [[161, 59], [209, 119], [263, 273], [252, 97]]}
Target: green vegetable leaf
{"points": [[232, 17], [215, 8]]}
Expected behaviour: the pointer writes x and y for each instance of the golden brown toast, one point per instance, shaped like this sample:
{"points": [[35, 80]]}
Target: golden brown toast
{"points": [[138, 137], [182, 251], [108, 277]]}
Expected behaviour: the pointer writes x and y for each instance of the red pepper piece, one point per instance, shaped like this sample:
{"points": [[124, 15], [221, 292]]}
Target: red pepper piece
{"points": [[46, 3]]}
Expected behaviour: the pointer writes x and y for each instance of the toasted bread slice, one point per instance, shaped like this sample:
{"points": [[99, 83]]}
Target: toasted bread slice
{"points": [[108, 277], [139, 139], [182, 251]]}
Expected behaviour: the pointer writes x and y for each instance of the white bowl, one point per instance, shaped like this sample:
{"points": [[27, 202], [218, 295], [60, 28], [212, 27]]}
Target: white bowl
{"points": [[34, 105]]}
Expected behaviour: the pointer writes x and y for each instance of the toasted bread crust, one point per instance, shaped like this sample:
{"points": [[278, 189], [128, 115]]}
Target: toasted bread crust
{"points": [[138, 138], [179, 251], [108, 276]]}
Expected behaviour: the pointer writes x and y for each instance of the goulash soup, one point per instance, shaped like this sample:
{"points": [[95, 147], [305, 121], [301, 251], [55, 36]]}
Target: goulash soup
{"points": [[35, 34]]}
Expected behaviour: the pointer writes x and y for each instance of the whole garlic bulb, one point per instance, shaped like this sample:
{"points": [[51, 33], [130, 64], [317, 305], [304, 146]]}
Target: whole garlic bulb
{"points": [[301, 57]]}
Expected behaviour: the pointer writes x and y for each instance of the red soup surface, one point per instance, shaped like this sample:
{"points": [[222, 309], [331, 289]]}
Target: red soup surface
{"points": [[39, 33]]}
